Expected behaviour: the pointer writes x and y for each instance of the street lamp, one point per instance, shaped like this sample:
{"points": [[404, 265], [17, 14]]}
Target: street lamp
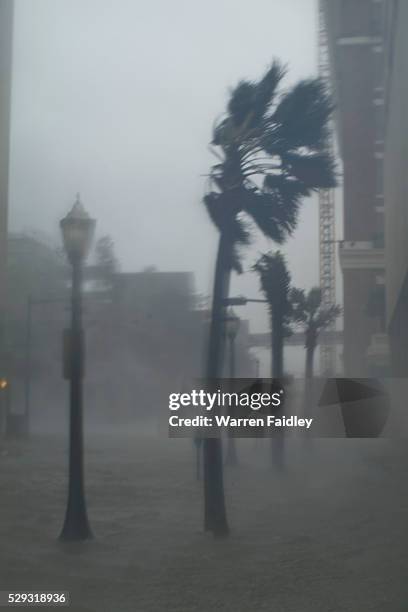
{"points": [[232, 324], [77, 231]]}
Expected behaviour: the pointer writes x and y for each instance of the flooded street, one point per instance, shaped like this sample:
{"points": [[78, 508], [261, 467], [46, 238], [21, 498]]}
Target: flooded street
{"points": [[329, 529]]}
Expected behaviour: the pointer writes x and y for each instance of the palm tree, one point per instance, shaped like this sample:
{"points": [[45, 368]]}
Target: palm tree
{"points": [[275, 284], [275, 280], [313, 316], [271, 151]]}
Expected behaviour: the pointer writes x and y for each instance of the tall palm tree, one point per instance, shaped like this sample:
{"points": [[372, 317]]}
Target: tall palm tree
{"points": [[313, 316], [275, 281], [271, 152]]}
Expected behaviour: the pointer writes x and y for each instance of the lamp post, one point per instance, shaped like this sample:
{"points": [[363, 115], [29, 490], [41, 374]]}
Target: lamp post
{"points": [[77, 231], [232, 323]]}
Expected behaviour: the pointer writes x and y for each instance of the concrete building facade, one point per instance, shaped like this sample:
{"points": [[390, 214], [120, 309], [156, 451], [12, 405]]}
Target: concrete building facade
{"points": [[355, 34], [396, 181]]}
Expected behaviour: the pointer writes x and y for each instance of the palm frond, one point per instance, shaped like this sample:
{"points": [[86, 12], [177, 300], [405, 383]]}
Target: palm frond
{"points": [[275, 282], [327, 316], [309, 312], [265, 212], [271, 154], [313, 300], [302, 116], [241, 102], [223, 211], [266, 89], [219, 132], [275, 208], [315, 171], [297, 298]]}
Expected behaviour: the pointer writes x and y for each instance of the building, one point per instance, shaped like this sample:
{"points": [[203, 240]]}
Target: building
{"points": [[355, 31], [396, 181], [145, 338], [6, 27], [6, 30]]}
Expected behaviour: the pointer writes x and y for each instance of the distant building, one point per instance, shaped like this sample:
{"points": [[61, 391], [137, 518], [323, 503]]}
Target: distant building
{"points": [[145, 338], [147, 341], [355, 32]]}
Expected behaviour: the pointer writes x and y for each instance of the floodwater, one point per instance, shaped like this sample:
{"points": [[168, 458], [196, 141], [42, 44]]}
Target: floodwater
{"points": [[325, 534]]}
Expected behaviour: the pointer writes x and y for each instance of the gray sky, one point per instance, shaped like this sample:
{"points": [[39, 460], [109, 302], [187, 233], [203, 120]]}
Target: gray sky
{"points": [[117, 98]]}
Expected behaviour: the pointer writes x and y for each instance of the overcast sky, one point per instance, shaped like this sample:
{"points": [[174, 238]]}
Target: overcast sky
{"points": [[117, 98]]}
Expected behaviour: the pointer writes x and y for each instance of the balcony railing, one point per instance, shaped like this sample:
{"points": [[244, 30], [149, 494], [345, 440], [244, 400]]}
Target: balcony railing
{"points": [[362, 254]]}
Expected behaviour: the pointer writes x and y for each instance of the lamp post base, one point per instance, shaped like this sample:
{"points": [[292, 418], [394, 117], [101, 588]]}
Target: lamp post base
{"points": [[76, 529]]}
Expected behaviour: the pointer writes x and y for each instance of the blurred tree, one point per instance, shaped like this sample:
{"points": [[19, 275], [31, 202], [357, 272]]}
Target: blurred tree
{"points": [[275, 281], [106, 260], [271, 150], [313, 317]]}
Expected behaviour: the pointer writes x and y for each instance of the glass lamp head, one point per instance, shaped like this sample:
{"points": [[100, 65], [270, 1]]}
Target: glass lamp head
{"points": [[77, 232]]}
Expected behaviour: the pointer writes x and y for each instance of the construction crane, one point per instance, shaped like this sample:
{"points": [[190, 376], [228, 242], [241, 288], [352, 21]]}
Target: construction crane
{"points": [[327, 238]]}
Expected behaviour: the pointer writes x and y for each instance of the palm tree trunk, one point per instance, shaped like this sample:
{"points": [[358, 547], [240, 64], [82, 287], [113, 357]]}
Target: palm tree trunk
{"points": [[277, 348], [277, 442], [309, 387], [281, 368], [309, 361], [215, 516], [231, 456]]}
